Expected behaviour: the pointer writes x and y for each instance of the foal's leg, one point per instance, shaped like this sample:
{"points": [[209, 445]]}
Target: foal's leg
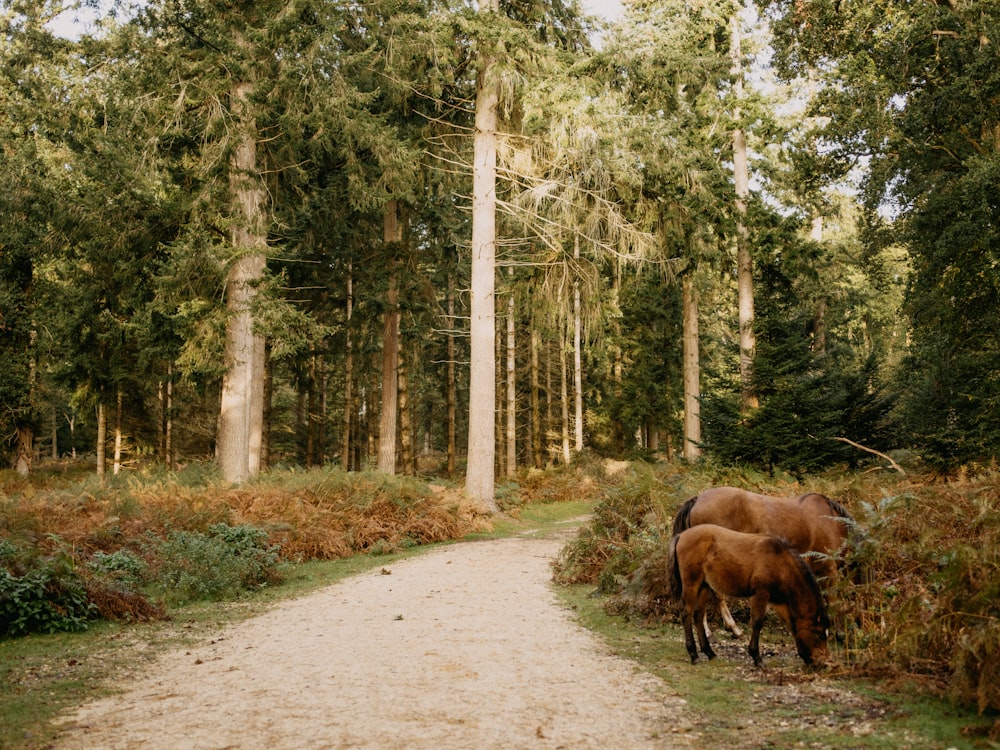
{"points": [[699, 616], [686, 621], [758, 608]]}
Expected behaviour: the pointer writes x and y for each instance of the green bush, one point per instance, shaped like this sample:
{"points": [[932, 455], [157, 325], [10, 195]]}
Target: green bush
{"points": [[193, 566], [40, 595]]}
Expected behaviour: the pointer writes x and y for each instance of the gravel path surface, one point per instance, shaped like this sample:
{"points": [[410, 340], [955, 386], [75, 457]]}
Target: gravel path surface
{"points": [[465, 647]]}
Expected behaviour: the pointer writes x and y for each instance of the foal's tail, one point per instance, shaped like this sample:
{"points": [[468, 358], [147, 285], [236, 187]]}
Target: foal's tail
{"points": [[682, 520], [674, 571]]}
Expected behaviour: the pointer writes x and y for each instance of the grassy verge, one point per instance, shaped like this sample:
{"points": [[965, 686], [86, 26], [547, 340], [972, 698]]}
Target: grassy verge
{"points": [[45, 675], [731, 704]]}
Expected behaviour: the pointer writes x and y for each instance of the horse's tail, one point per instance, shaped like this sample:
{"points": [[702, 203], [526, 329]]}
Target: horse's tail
{"points": [[674, 571], [683, 518]]}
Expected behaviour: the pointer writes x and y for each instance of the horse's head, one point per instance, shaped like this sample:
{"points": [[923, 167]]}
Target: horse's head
{"points": [[811, 635]]}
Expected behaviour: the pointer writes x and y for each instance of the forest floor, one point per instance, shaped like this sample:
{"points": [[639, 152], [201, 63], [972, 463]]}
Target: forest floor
{"points": [[464, 646]]}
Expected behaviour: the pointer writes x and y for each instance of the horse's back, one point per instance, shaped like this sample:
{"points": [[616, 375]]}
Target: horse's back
{"points": [[729, 507]]}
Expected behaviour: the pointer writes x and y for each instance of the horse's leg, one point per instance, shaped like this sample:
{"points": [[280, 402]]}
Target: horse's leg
{"points": [[758, 609], [686, 618], [727, 618], [699, 615]]}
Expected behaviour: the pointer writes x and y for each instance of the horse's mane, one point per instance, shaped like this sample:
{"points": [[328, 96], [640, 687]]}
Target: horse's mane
{"points": [[836, 508], [682, 520]]}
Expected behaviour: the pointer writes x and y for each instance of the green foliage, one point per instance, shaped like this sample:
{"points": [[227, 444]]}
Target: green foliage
{"points": [[40, 594], [121, 566], [193, 566]]}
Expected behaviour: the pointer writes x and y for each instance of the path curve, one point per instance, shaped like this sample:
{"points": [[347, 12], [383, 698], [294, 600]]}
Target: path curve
{"points": [[465, 647]]}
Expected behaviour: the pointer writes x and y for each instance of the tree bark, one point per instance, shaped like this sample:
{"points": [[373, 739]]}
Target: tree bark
{"points": [[102, 436], [511, 384], [407, 455], [577, 355], [564, 388], [692, 370], [345, 440], [242, 411], [117, 465], [452, 388], [480, 480], [744, 261], [538, 457], [390, 349]]}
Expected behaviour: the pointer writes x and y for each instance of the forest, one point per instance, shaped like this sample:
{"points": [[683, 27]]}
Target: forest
{"points": [[299, 233], [278, 277]]}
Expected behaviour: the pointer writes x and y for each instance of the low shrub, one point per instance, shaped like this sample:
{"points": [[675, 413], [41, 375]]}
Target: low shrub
{"points": [[41, 594], [221, 563]]}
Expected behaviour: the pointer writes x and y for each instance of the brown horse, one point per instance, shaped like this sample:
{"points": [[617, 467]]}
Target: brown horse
{"points": [[811, 523], [765, 569]]}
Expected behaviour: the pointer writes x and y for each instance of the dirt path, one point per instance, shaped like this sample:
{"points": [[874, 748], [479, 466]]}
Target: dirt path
{"points": [[464, 647]]}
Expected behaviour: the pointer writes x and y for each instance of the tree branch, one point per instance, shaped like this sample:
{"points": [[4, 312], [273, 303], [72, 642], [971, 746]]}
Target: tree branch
{"points": [[880, 454]]}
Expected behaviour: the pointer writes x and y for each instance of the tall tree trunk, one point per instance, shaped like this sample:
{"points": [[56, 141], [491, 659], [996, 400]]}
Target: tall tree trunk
{"points": [[577, 355], [692, 369], [551, 447], [452, 387], [345, 440], [24, 450], [501, 455], [407, 455], [511, 384], [309, 411], [117, 465], [617, 369], [102, 438], [744, 261], [267, 392], [538, 458], [390, 349], [479, 479], [564, 388], [242, 411], [819, 318]]}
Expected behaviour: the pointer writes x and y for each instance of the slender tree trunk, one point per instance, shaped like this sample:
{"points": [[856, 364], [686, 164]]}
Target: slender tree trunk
{"points": [[550, 432], [511, 384], [390, 350], [536, 407], [480, 480], [501, 455], [407, 455], [692, 370], [452, 388], [617, 370], [345, 440], [55, 435], [267, 392], [744, 261], [577, 355], [242, 410], [117, 465], [819, 318], [102, 438], [310, 413], [564, 390]]}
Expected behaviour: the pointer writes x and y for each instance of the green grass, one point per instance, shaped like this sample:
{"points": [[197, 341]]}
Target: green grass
{"points": [[731, 704]]}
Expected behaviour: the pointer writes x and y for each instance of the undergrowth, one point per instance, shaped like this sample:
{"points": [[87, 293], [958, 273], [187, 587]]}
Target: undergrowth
{"points": [[73, 549]]}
